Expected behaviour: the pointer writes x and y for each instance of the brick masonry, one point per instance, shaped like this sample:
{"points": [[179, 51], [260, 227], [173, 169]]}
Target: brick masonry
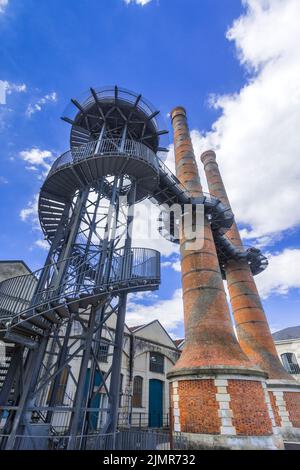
{"points": [[250, 414], [286, 408], [292, 403], [198, 406], [227, 407]]}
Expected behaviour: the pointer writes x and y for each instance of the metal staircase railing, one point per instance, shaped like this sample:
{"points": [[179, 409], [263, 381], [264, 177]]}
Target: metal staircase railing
{"points": [[84, 276], [107, 147]]}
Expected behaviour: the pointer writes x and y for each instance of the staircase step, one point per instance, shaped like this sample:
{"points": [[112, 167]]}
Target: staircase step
{"points": [[51, 316], [26, 328], [73, 305], [47, 203], [85, 300], [39, 321], [61, 309], [19, 339]]}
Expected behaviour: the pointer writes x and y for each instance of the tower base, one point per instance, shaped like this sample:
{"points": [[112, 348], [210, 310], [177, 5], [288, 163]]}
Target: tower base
{"points": [[223, 409], [221, 442], [285, 402]]}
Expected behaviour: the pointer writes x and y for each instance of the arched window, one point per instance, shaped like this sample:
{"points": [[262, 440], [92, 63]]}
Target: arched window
{"points": [[137, 397], [156, 362], [290, 363]]}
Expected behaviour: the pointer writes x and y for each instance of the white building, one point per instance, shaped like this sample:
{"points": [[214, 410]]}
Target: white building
{"points": [[149, 354], [287, 343]]}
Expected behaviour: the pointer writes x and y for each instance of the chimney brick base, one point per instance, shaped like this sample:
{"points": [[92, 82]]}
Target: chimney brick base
{"points": [[224, 411], [285, 403]]}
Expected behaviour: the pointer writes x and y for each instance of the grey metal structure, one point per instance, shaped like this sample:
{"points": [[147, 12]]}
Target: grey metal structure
{"points": [[56, 316]]}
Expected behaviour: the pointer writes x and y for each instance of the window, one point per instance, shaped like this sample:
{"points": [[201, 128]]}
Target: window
{"points": [[290, 363], [137, 397], [103, 350], [62, 386], [156, 362]]}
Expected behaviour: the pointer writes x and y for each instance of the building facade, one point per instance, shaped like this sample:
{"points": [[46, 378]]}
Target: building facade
{"points": [[287, 342], [149, 353]]}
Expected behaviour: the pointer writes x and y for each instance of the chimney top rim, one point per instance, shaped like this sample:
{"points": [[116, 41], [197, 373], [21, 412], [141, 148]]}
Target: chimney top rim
{"points": [[177, 111]]}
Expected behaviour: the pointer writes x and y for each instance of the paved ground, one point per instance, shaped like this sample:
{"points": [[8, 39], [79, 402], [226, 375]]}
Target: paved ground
{"points": [[292, 445]]}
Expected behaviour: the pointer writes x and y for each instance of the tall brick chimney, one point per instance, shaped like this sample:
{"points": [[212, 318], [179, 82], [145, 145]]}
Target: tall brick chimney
{"points": [[252, 326], [218, 396]]}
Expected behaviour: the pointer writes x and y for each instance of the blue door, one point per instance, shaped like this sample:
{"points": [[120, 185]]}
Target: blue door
{"points": [[155, 403], [95, 402]]}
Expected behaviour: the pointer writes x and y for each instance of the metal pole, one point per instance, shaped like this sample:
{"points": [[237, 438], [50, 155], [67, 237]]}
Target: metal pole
{"points": [[33, 367], [114, 388], [78, 402]]}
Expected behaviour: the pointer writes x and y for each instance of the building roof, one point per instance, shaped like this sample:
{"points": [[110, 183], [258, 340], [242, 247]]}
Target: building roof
{"points": [[293, 332], [178, 341], [137, 327], [16, 261]]}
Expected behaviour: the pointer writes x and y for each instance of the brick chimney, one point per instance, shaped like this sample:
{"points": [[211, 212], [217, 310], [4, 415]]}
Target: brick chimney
{"points": [[218, 396], [252, 327]]}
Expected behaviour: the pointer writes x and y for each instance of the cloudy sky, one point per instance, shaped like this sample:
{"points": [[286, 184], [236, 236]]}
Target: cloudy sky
{"points": [[234, 65]]}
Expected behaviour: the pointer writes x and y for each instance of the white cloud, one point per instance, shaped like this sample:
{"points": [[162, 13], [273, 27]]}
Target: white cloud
{"points": [[169, 312], [3, 5], [42, 244], [138, 2], [37, 159], [30, 213], [166, 264], [7, 88], [13, 87], [3, 180], [38, 106], [281, 275], [176, 265], [257, 135]]}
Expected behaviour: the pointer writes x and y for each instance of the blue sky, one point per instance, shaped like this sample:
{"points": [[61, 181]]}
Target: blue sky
{"points": [[219, 58]]}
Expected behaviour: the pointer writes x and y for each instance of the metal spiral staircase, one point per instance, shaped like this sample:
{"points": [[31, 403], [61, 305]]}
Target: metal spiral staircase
{"points": [[60, 312]]}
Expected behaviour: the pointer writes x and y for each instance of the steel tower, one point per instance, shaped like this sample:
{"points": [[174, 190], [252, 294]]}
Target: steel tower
{"points": [[61, 312]]}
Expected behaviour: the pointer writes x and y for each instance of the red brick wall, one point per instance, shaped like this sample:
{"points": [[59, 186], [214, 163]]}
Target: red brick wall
{"points": [[250, 413], [292, 400], [275, 409], [198, 407]]}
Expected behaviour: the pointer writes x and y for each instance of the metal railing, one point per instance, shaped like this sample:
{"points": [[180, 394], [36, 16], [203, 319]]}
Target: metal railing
{"points": [[61, 442], [130, 439], [108, 147], [144, 419], [88, 275]]}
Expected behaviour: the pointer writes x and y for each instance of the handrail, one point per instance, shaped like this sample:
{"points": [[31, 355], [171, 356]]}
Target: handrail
{"points": [[82, 275], [107, 147]]}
